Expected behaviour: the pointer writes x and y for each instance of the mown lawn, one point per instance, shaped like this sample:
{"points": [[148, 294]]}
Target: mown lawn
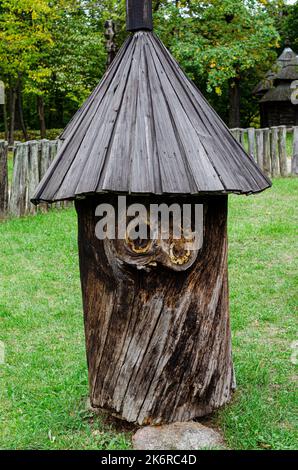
{"points": [[43, 389]]}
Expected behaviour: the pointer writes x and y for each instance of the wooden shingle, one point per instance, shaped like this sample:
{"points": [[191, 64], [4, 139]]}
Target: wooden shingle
{"points": [[146, 129]]}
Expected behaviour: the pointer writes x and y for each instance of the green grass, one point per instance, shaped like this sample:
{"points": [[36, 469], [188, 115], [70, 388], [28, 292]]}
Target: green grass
{"points": [[289, 144], [10, 166], [43, 385]]}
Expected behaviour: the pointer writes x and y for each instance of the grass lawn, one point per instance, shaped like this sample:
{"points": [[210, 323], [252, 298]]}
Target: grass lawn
{"points": [[43, 383]]}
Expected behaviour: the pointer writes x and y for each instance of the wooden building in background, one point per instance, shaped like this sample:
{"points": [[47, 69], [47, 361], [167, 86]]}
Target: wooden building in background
{"points": [[276, 106]]}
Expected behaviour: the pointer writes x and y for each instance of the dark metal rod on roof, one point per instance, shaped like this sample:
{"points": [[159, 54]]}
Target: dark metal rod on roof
{"points": [[139, 15]]}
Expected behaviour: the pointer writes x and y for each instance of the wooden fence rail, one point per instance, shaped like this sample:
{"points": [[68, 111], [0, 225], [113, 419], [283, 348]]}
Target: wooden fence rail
{"points": [[271, 149]]}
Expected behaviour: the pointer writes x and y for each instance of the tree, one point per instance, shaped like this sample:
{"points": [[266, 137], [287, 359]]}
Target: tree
{"points": [[69, 70], [287, 24], [24, 32], [53, 52], [220, 41]]}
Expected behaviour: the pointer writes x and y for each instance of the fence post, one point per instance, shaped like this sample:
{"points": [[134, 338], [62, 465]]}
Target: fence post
{"points": [[18, 199], [274, 152], [242, 136], [33, 174], [266, 161], [283, 161], [251, 142], [3, 178], [45, 157], [295, 152], [260, 147], [54, 147], [236, 133]]}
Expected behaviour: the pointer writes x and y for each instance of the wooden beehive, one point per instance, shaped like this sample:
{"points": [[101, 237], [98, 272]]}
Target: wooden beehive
{"points": [[157, 323]]}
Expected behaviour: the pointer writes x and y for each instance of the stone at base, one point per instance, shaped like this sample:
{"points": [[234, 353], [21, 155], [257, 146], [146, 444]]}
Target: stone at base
{"points": [[177, 436]]}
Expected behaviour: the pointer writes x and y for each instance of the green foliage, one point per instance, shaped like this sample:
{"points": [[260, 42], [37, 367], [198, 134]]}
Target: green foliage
{"points": [[78, 58], [52, 134], [24, 32], [289, 25], [57, 47], [220, 40], [224, 39]]}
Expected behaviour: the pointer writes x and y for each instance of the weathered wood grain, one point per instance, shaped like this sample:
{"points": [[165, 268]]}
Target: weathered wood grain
{"points": [[31, 161], [283, 151], [295, 152], [33, 175], [158, 342], [252, 142], [267, 151], [274, 152], [147, 129], [3, 178], [260, 147], [18, 201], [139, 15]]}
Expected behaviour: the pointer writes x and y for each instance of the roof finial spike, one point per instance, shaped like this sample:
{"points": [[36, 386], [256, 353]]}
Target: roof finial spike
{"points": [[139, 15]]}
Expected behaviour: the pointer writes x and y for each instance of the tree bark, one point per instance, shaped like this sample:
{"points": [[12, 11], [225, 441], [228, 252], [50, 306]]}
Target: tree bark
{"points": [[12, 110], [20, 109], [41, 115], [234, 103], [5, 122], [158, 342]]}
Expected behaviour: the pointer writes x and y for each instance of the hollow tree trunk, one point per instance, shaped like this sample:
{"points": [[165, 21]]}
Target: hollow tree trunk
{"points": [[158, 342], [234, 103]]}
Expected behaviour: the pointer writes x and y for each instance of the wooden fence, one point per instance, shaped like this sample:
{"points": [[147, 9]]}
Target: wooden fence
{"points": [[30, 162], [270, 148], [3, 178], [275, 153]]}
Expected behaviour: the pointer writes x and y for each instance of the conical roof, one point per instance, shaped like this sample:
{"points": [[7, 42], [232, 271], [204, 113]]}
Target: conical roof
{"points": [[286, 56], [146, 129], [289, 71], [285, 68]]}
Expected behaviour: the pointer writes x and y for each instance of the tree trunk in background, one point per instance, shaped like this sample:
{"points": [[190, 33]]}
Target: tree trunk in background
{"points": [[234, 103], [20, 109], [156, 4], [5, 121], [158, 340], [41, 115], [12, 111]]}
